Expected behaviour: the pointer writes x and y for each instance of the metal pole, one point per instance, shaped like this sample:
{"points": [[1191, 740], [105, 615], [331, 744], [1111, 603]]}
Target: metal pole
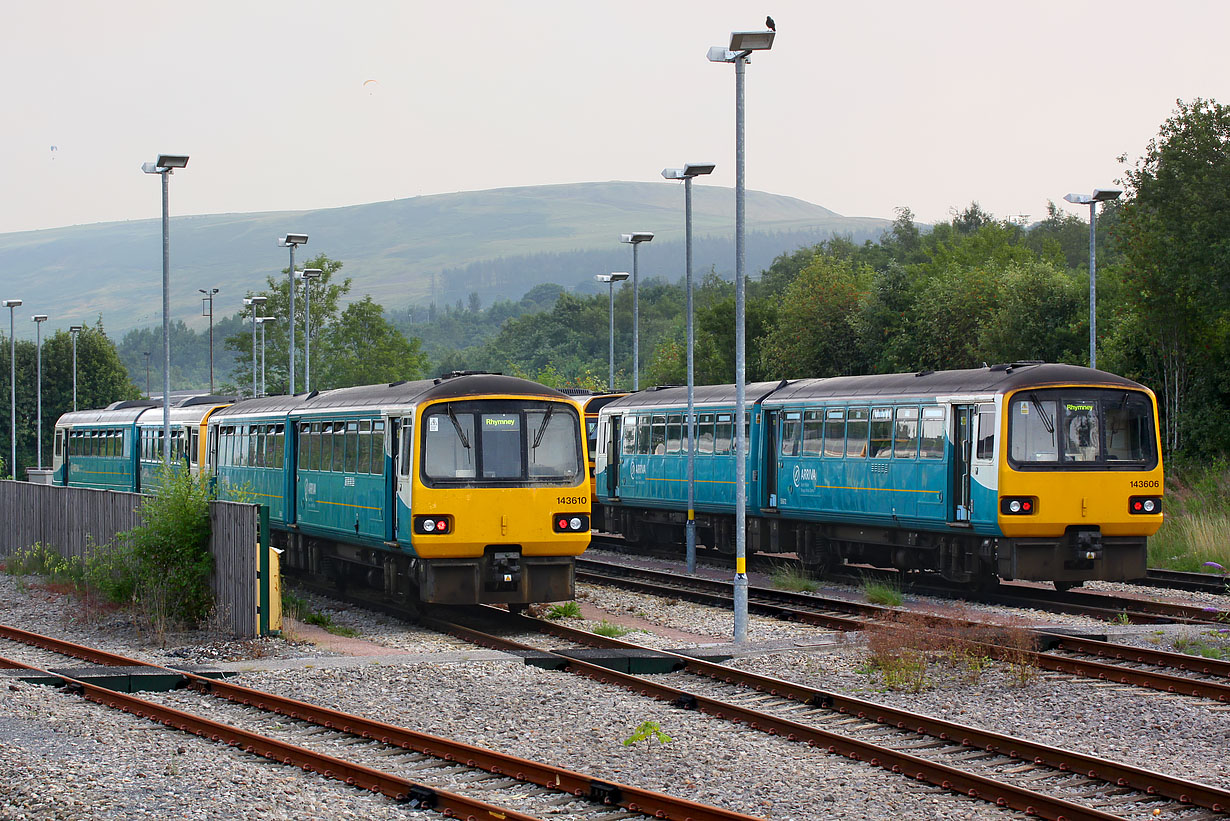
{"points": [[610, 382], [146, 374], [636, 322], [166, 320], [740, 583], [211, 343], [253, 306], [1093, 286], [13, 394], [691, 527], [307, 334], [38, 336], [74, 372], [291, 392], [262, 359]]}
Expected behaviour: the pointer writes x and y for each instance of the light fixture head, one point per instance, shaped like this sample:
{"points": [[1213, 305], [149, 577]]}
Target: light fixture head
{"points": [[11, 303], [617, 276], [309, 273], [263, 319], [1106, 194], [75, 329], [293, 239], [672, 173], [1078, 199], [698, 169], [741, 41], [255, 300], [637, 237], [720, 54], [210, 292], [39, 318], [172, 160]]}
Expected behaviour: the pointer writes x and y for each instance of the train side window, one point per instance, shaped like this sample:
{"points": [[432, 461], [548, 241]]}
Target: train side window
{"points": [[932, 441], [642, 434], [856, 432], [351, 464], [905, 434], [674, 433], [276, 457], [724, 431], [407, 445], [881, 433], [316, 459], [628, 432], [377, 459], [813, 433], [657, 435], [792, 432], [835, 432], [704, 433], [986, 433], [364, 459]]}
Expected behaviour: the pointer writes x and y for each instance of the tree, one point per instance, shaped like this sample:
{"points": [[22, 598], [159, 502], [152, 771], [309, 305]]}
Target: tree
{"points": [[362, 348], [1175, 235]]}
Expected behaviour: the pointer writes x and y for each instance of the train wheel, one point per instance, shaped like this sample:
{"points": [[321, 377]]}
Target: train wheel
{"points": [[1064, 587]]}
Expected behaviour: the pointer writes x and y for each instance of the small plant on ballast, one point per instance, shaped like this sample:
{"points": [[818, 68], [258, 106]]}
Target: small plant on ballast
{"points": [[649, 732], [567, 610]]}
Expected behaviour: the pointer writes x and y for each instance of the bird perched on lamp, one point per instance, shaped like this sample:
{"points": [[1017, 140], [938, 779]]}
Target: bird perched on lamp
{"points": [[768, 21]]}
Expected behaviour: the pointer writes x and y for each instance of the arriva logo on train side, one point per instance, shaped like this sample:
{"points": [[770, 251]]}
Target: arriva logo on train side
{"points": [[804, 474]]}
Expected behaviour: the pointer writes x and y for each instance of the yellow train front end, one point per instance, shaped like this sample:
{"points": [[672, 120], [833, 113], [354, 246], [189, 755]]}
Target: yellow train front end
{"points": [[499, 502], [1080, 483]]}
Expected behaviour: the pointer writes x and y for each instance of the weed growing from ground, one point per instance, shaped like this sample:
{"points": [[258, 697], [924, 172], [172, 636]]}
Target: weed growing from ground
{"points": [[793, 579], [649, 731], [567, 610], [887, 594], [611, 631]]}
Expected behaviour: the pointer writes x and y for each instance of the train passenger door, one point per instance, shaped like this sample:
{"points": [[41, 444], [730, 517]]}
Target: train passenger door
{"points": [[963, 437], [614, 438], [403, 465]]}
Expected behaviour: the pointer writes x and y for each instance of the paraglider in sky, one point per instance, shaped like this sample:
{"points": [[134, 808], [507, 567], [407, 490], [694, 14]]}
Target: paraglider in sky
{"points": [[370, 85], [53, 152]]}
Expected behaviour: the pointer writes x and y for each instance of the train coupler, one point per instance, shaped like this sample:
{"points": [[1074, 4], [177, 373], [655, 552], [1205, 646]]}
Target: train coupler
{"points": [[1088, 545], [503, 572]]}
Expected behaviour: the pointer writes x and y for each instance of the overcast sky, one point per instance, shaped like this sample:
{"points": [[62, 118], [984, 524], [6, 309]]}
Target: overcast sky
{"points": [[860, 107]]}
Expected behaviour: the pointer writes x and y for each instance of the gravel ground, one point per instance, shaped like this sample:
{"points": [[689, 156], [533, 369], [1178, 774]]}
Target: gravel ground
{"points": [[64, 758]]}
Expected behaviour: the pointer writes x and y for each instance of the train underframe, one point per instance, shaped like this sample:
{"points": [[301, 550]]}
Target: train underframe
{"points": [[959, 555], [502, 575]]}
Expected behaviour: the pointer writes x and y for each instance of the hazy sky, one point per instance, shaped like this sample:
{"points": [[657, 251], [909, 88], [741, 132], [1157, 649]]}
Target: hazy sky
{"points": [[860, 107]]}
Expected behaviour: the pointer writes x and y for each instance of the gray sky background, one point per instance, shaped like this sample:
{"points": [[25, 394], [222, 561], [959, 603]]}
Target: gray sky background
{"points": [[860, 107]]}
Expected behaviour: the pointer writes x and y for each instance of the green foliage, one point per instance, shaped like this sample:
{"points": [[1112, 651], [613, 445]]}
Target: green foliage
{"points": [[649, 732], [171, 551], [567, 610], [363, 348], [792, 578], [1215, 644], [1197, 506], [36, 560], [611, 631], [887, 594]]}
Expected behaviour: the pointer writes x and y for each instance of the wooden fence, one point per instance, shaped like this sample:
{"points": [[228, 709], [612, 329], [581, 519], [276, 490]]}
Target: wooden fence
{"points": [[73, 520]]}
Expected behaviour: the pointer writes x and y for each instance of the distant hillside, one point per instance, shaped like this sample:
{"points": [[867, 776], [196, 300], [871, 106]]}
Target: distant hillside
{"points": [[497, 243]]}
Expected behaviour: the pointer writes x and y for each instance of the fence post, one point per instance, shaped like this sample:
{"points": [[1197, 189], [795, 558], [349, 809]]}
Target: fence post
{"points": [[263, 573]]}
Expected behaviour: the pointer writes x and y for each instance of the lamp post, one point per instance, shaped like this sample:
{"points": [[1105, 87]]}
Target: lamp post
{"points": [[261, 320], [11, 304], [73, 331], [742, 44], [165, 166], [292, 241], [146, 354], [209, 298], [610, 280], [38, 320], [307, 275], [687, 173], [636, 238], [1092, 200], [253, 303]]}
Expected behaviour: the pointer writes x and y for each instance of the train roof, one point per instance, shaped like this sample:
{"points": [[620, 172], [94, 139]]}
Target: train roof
{"points": [[118, 413], [992, 380], [392, 395]]}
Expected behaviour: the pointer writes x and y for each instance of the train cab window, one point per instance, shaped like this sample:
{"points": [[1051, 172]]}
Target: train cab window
{"points": [[1128, 429], [704, 433], [1033, 430], [724, 431], [449, 446], [59, 448], [986, 434], [194, 441], [813, 433], [932, 439], [835, 432], [674, 433], [407, 446], [553, 451], [792, 433], [881, 433], [905, 434], [1082, 427], [856, 432]]}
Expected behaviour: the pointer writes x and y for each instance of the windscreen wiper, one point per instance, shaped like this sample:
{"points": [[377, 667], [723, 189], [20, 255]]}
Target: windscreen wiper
{"points": [[461, 434], [542, 429], [1047, 422]]}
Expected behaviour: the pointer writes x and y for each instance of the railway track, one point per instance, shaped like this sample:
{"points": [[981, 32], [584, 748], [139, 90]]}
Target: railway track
{"points": [[1075, 655], [452, 778], [1009, 772]]}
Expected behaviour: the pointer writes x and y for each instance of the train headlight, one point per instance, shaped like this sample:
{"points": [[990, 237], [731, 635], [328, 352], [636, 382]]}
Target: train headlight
{"points": [[570, 523], [436, 525], [1144, 505], [1018, 505]]}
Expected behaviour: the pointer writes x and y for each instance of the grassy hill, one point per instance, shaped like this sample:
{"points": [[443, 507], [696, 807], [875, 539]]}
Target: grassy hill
{"points": [[498, 243]]}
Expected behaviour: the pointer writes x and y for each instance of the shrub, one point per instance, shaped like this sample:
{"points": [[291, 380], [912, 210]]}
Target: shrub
{"points": [[567, 610], [885, 593]]}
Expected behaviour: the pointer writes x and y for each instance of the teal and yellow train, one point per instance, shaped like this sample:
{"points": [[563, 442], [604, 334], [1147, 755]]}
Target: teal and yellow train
{"points": [[465, 489], [1017, 471]]}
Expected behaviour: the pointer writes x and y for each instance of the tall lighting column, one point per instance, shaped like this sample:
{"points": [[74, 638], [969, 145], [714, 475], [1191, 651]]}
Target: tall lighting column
{"points": [[209, 298], [165, 166], [38, 320], [636, 238], [253, 303], [687, 173], [308, 275], [610, 280], [1092, 200], [292, 241], [73, 330], [11, 304], [742, 44], [262, 320]]}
